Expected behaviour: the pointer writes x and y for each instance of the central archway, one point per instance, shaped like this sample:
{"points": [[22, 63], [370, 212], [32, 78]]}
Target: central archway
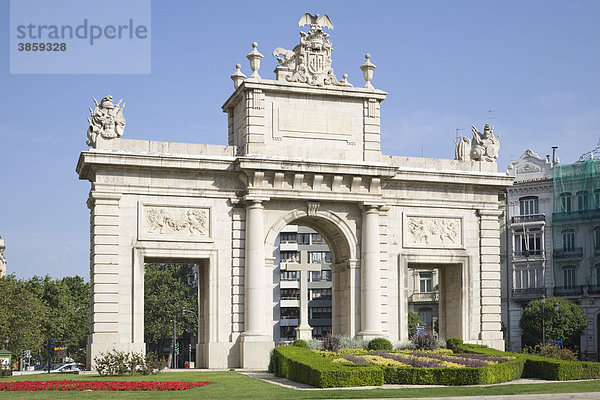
{"points": [[343, 246]]}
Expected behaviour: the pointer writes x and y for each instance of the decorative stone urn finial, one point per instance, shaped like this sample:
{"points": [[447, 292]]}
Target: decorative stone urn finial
{"points": [[237, 77], [254, 57], [367, 68]]}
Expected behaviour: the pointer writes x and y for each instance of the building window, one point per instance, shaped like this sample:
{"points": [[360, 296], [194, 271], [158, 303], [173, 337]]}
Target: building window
{"points": [[529, 205], [319, 331], [529, 242], [426, 282], [569, 277], [597, 237], [320, 313], [597, 198], [289, 312], [287, 332], [303, 238], [565, 202], [287, 237], [289, 275], [290, 294], [291, 256], [582, 200], [529, 277], [323, 275], [319, 257], [320, 294], [316, 238], [426, 315], [568, 239], [597, 269]]}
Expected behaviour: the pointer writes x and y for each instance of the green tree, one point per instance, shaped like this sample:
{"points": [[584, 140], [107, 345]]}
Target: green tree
{"points": [[22, 315], [167, 291], [413, 321], [566, 323]]}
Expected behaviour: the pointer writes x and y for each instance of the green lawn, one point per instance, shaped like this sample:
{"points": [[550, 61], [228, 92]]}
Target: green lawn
{"points": [[228, 385]]}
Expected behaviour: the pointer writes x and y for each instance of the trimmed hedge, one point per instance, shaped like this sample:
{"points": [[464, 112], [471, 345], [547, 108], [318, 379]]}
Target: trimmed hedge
{"points": [[544, 367], [559, 370], [380, 344], [302, 365], [494, 373]]}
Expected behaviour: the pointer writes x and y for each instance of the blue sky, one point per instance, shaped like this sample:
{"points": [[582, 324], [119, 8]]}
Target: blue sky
{"points": [[444, 64]]}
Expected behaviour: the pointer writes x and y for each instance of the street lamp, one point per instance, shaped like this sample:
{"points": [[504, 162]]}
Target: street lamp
{"points": [[6, 342], [195, 314]]}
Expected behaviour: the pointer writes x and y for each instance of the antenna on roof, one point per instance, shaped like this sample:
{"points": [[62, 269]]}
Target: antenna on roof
{"points": [[458, 134], [491, 114]]}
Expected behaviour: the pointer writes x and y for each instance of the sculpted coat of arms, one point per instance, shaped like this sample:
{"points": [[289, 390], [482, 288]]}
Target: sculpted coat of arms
{"points": [[310, 61], [107, 120]]}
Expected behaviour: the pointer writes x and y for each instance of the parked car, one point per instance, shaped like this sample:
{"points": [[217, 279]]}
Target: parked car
{"points": [[68, 368]]}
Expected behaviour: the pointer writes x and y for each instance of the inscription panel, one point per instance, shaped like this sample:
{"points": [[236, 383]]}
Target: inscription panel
{"points": [[173, 223], [431, 232]]}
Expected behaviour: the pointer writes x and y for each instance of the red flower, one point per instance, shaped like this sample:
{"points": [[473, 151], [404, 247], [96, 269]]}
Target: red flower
{"points": [[68, 385]]}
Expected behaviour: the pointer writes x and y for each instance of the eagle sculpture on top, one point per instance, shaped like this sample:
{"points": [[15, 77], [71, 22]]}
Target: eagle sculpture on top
{"points": [[315, 20]]}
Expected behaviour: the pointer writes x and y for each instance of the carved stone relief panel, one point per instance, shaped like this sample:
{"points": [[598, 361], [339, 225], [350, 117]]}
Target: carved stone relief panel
{"points": [[173, 223], [433, 232]]}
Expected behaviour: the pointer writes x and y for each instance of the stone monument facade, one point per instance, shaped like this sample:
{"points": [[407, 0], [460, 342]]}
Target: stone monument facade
{"points": [[303, 148]]}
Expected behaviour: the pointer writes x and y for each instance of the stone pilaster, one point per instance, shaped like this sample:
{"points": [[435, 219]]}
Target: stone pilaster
{"points": [[489, 231], [254, 130], [371, 130], [370, 275], [255, 338], [104, 272]]}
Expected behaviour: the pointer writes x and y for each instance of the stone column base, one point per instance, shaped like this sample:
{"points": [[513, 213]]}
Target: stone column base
{"points": [[213, 355], [304, 333], [366, 335], [95, 348], [255, 351]]}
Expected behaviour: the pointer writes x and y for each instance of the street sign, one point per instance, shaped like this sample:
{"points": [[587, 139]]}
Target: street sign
{"points": [[558, 341], [28, 352], [420, 330], [58, 348], [45, 344]]}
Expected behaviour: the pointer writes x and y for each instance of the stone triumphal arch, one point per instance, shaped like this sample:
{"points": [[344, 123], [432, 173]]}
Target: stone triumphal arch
{"points": [[302, 148]]}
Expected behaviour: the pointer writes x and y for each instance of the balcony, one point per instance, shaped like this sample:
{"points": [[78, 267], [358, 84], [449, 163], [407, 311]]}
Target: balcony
{"points": [[419, 297], [527, 293], [523, 219], [594, 289], [568, 291], [584, 215], [575, 252], [529, 255]]}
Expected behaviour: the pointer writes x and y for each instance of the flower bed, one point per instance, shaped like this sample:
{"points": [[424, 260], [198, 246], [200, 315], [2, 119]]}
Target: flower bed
{"points": [[68, 385], [421, 359]]}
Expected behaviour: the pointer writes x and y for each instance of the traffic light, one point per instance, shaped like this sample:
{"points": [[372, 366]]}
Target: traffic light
{"points": [[176, 348], [23, 354]]}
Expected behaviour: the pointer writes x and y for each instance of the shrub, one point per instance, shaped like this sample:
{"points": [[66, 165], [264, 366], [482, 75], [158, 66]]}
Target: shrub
{"points": [[117, 362], [455, 344], [413, 321], [425, 342], [349, 343], [405, 345], [380, 344], [332, 342], [552, 352], [302, 365], [315, 344], [300, 343]]}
